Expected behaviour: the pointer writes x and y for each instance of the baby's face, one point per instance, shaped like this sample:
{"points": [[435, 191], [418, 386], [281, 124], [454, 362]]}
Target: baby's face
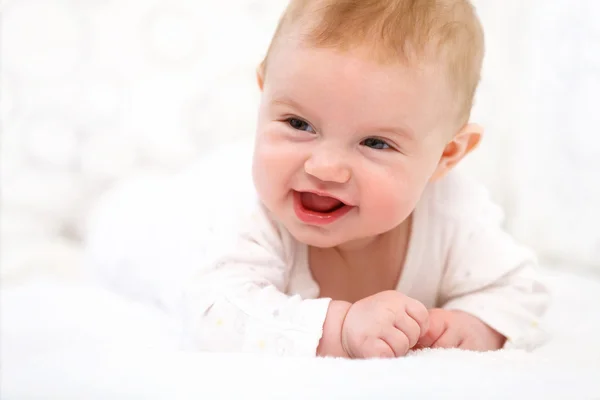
{"points": [[345, 146]]}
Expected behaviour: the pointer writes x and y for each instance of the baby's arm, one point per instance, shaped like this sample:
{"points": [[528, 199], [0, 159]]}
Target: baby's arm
{"points": [[239, 304], [331, 342], [490, 289]]}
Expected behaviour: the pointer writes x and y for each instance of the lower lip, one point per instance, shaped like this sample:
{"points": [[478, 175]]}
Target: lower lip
{"points": [[315, 217]]}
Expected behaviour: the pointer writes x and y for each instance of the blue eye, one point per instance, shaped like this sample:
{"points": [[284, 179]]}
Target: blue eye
{"points": [[300, 125], [376, 144]]}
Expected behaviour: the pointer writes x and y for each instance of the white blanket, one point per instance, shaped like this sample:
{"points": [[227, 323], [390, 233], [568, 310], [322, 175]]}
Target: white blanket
{"points": [[72, 341]]}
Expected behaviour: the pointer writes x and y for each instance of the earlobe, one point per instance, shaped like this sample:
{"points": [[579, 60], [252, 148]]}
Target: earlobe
{"points": [[260, 75], [462, 144]]}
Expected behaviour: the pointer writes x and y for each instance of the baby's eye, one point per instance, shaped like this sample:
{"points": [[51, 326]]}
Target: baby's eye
{"points": [[376, 144], [300, 125]]}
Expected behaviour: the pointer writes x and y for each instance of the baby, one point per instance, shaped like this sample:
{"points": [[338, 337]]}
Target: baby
{"points": [[363, 244]]}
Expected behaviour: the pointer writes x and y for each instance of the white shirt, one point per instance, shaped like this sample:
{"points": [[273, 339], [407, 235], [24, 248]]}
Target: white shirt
{"points": [[261, 297]]}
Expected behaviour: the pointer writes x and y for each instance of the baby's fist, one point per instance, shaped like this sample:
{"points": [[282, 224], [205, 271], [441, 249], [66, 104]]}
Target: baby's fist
{"points": [[458, 329], [387, 324]]}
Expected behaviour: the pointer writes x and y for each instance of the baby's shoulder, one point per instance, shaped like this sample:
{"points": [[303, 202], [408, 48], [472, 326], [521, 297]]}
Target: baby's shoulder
{"points": [[458, 197]]}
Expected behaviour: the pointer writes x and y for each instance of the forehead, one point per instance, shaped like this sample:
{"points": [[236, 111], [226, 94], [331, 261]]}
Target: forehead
{"points": [[351, 80]]}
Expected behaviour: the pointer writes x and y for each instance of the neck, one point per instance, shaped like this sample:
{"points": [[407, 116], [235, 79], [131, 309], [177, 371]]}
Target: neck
{"points": [[353, 252]]}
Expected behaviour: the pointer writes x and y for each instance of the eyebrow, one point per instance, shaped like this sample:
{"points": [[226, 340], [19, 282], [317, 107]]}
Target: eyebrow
{"points": [[287, 102], [403, 132]]}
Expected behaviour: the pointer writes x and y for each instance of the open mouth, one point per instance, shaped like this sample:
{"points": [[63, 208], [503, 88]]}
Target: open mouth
{"points": [[321, 204], [317, 209]]}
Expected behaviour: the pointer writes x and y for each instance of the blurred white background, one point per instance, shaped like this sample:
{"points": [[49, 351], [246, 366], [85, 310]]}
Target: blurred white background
{"points": [[93, 91]]}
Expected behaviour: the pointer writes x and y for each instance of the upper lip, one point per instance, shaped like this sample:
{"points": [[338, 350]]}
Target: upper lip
{"points": [[325, 194]]}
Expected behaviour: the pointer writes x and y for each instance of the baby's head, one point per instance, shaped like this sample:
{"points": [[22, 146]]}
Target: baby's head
{"points": [[363, 103]]}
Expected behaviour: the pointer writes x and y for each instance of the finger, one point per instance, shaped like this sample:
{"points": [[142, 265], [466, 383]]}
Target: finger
{"points": [[397, 341], [450, 339], [476, 344], [417, 311], [466, 344], [409, 327], [377, 348], [437, 327]]}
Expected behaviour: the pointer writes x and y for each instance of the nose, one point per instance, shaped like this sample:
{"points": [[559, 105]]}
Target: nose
{"points": [[328, 166]]}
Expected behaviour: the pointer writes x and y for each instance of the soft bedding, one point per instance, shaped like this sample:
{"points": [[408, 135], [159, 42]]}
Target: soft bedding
{"points": [[67, 340]]}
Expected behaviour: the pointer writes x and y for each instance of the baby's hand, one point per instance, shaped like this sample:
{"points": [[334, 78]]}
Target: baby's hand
{"points": [[458, 329], [387, 324]]}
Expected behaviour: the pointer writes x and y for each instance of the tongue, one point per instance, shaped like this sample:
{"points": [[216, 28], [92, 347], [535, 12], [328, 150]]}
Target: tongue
{"points": [[323, 204]]}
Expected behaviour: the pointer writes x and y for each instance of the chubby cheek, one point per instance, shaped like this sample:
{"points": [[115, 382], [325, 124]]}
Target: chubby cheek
{"points": [[274, 167], [390, 205], [392, 197]]}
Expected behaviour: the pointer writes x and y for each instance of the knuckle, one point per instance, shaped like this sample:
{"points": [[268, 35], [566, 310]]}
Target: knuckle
{"points": [[382, 350], [422, 317], [386, 353], [412, 338], [422, 312], [416, 305], [392, 296], [404, 346]]}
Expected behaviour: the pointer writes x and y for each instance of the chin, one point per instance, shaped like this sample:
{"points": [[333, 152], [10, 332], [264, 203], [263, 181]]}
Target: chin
{"points": [[322, 239]]}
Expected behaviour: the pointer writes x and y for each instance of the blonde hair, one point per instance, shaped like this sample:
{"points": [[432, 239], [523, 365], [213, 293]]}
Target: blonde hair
{"points": [[409, 31]]}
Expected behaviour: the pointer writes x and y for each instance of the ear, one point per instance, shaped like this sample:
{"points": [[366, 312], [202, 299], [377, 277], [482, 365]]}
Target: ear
{"points": [[465, 141], [260, 75]]}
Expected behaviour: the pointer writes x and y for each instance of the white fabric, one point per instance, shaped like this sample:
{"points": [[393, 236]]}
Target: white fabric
{"points": [[253, 292], [71, 341], [241, 302]]}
